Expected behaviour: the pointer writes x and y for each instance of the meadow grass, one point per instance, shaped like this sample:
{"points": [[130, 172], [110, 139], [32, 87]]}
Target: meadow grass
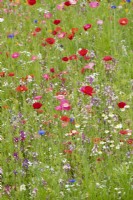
{"points": [[85, 150]]}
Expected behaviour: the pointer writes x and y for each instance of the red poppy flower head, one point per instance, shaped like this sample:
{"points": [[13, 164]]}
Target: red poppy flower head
{"points": [[11, 74], [21, 88], [87, 90], [31, 2], [37, 105], [67, 3], [70, 36], [123, 132], [65, 59], [73, 57], [50, 40], [87, 26], [65, 118], [56, 21], [123, 21], [52, 70], [121, 104], [38, 29], [107, 58], [83, 52], [74, 30], [2, 74]]}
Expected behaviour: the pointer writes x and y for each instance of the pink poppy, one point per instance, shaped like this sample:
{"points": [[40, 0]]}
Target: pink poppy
{"points": [[46, 76], [34, 58], [94, 4], [37, 97], [100, 22], [47, 15], [61, 35], [60, 97], [15, 55], [60, 6]]}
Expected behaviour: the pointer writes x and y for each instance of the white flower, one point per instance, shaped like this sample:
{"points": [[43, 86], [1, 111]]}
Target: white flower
{"points": [[117, 147], [106, 131], [111, 115], [22, 187], [118, 126], [77, 125], [1, 19], [112, 145]]}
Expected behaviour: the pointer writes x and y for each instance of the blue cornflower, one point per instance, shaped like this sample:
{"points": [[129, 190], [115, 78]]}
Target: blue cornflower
{"points": [[35, 21], [72, 181], [11, 36], [71, 119], [113, 7], [128, 1], [41, 132]]}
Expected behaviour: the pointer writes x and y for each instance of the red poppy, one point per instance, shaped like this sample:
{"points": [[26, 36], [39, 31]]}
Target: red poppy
{"points": [[123, 132], [56, 21], [21, 88], [83, 70], [73, 57], [87, 90], [34, 33], [65, 59], [83, 52], [65, 119], [54, 32], [11, 74], [50, 40], [87, 26], [52, 70], [31, 2], [37, 105], [121, 104], [68, 151], [74, 30], [2, 74], [58, 29], [37, 29], [107, 58], [123, 21], [130, 141], [70, 36], [67, 3]]}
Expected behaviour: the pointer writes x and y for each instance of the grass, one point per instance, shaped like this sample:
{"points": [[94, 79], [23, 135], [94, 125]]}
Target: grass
{"points": [[85, 151]]}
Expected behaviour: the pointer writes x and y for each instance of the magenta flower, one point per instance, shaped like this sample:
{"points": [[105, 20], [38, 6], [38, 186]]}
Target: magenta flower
{"points": [[89, 66], [34, 58], [60, 97], [87, 26], [61, 35], [47, 15], [37, 97], [64, 105], [94, 4], [15, 55], [60, 6], [46, 76]]}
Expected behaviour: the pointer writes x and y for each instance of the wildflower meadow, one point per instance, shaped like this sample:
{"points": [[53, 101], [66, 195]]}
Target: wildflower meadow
{"points": [[66, 100]]}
